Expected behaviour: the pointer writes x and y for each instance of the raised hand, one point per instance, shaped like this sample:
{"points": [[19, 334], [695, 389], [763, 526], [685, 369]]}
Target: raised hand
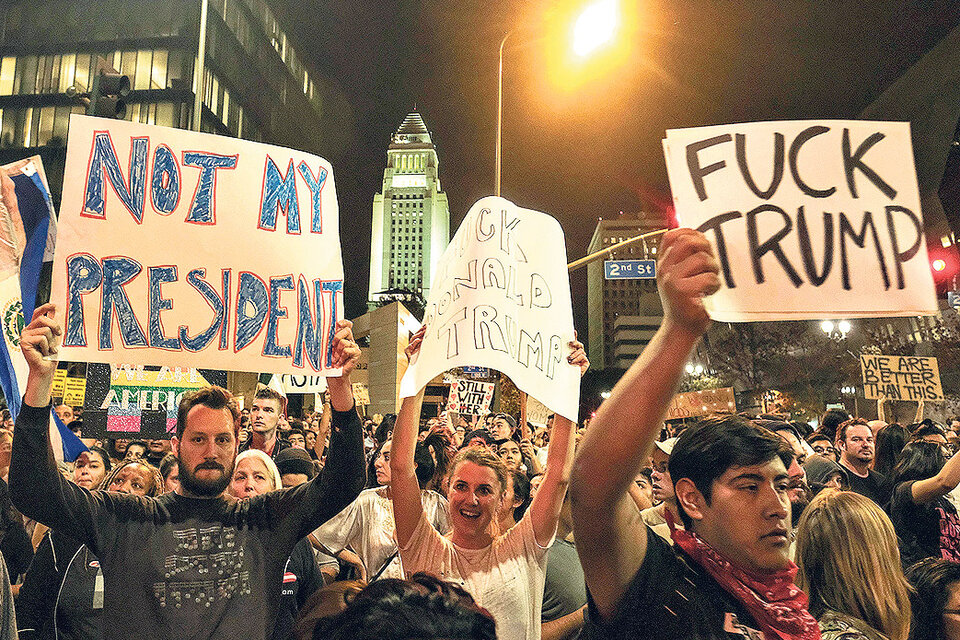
{"points": [[416, 342], [41, 339], [346, 353], [687, 272], [578, 356]]}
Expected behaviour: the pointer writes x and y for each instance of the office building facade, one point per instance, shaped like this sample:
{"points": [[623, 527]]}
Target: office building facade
{"points": [[252, 82], [622, 315]]}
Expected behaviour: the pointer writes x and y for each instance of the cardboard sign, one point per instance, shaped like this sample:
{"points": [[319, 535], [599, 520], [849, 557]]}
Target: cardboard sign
{"points": [[537, 413], [501, 299], [808, 219], [900, 377], [361, 393], [470, 397], [129, 401], [701, 403], [187, 249]]}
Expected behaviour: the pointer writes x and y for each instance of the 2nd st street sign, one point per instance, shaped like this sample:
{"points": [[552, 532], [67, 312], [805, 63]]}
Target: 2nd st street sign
{"points": [[629, 269]]}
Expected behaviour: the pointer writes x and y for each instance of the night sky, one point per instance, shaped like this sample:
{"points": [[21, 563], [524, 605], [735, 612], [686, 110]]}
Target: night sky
{"points": [[592, 150]]}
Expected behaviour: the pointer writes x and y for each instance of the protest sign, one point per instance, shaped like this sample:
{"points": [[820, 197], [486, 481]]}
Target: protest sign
{"points": [[792, 207], [537, 413], [900, 377], [701, 403], [303, 384], [361, 393], [73, 391], [470, 397], [129, 401], [59, 383], [186, 249], [500, 298]]}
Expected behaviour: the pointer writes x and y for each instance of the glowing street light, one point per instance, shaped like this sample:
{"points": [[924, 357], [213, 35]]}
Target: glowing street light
{"points": [[836, 330], [595, 27]]}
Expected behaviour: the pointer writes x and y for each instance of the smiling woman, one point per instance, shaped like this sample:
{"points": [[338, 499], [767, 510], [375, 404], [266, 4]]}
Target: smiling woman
{"points": [[503, 571]]}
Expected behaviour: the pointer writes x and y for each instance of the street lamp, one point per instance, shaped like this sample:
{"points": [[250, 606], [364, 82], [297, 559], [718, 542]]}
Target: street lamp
{"points": [[836, 330], [594, 27]]}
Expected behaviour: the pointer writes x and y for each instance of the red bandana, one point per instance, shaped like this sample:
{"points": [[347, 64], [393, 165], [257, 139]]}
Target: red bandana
{"points": [[774, 601]]}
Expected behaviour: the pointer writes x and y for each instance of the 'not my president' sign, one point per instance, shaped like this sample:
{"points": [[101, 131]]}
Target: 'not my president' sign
{"points": [[188, 249], [808, 219]]}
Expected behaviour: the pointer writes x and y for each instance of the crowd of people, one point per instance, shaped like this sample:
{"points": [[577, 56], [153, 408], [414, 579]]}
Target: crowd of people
{"points": [[258, 524]]}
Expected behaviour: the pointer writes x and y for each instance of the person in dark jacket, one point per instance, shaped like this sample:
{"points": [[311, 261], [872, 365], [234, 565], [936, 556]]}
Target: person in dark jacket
{"points": [[62, 593]]}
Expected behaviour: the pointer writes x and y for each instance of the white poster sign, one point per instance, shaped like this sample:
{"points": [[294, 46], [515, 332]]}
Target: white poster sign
{"points": [[303, 384], [808, 219], [184, 248], [470, 397], [500, 298]]}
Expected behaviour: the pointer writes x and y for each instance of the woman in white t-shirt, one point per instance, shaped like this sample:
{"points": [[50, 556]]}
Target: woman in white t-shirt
{"points": [[503, 571]]}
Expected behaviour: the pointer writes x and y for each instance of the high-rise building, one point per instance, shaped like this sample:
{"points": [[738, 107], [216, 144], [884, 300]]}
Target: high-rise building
{"points": [[411, 217], [622, 315], [253, 83]]}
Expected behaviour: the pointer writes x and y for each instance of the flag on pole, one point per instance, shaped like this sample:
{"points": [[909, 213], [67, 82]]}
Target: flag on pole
{"points": [[27, 239]]}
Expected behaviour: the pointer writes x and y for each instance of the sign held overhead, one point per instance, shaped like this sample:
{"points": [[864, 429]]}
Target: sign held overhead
{"points": [[808, 219], [501, 299], [189, 249]]}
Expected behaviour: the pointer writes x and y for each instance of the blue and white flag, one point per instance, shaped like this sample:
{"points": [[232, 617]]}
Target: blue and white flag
{"points": [[27, 239]]}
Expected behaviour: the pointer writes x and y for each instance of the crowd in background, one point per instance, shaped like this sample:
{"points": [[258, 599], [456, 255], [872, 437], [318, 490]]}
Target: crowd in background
{"points": [[724, 526]]}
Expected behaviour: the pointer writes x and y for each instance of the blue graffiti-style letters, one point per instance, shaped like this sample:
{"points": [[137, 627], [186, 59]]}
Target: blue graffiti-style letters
{"points": [[103, 160], [270, 346], [156, 277], [165, 184], [203, 209], [83, 276], [315, 184], [309, 333], [279, 193], [332, 287], [252, 305], [116, 273], [202, 339]]}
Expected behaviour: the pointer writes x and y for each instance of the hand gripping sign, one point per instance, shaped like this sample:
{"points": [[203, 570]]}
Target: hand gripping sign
{"points": [[501, 299], [808, 219], [186, 249]]}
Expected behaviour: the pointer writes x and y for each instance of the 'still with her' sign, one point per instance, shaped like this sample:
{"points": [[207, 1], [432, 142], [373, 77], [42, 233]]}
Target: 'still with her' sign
{"points": [[630, 269]]}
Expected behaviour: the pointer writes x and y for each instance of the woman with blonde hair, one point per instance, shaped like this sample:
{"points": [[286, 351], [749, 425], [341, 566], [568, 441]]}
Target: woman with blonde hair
{"points": [[504, 571], [849, 565]]}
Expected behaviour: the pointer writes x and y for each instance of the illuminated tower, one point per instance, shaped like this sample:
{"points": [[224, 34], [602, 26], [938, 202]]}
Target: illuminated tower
{"points": [[411, 218]]}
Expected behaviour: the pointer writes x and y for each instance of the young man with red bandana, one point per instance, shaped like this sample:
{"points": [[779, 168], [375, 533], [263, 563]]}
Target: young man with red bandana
{"points": [[729, 574]]}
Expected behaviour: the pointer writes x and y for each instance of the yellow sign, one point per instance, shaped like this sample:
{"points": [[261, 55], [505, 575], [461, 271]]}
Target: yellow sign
{"points": [[73, 391], [900, 377], [59, 379]]}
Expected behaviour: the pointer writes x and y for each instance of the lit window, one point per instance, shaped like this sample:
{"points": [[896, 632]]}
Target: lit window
{"points": [[7, 68]]}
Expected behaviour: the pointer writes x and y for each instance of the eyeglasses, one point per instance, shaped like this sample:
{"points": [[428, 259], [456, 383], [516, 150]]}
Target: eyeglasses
{"points": [[822, 450], [953, 611]]}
